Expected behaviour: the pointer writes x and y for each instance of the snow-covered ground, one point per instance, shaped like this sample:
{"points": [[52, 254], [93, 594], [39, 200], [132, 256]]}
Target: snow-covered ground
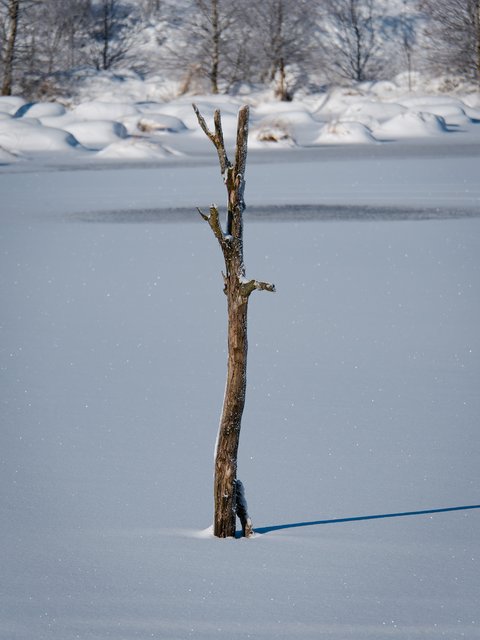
{"points": [[360, 445], [108, 127]]}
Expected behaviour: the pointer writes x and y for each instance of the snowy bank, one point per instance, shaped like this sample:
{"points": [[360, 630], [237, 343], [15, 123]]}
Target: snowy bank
{"points": [[371, 112]]}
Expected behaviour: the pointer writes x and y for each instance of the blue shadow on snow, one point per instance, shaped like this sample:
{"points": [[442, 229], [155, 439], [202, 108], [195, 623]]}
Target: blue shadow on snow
{"points": [[295, 525]]}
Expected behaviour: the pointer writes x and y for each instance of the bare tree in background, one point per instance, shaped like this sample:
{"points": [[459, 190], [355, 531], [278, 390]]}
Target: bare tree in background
{"points": [[408, 38], [229, 496], [55, 36], [453, 36], [112, 32], [9, 31], [213, 27], [75, 30], [151, 7], [350, 40], [282, 34], [208, 46]]}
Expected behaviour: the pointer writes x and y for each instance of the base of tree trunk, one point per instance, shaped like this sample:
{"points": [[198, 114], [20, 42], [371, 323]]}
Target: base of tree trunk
{"points": [[242, 510]]}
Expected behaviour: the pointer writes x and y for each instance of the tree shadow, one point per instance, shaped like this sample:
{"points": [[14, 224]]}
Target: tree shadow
{"points": [[296, 525]]}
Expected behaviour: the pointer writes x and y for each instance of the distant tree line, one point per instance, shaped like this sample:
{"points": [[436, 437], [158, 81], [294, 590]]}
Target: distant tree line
{"points": [[215, 45]]}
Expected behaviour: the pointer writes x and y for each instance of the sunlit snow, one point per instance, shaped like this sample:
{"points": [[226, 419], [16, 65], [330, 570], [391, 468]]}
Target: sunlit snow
{"points": [[360, 444]]}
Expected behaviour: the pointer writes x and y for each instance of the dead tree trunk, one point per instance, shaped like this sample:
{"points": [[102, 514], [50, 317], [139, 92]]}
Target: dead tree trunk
{"points": [[229, 497]]}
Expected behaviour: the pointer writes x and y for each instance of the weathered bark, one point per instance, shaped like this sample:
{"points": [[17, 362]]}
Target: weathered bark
{"points": [[13, 10], [227, 504]]}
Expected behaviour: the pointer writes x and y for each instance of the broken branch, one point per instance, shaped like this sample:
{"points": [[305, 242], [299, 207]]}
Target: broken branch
{"points": [[256, 285]]}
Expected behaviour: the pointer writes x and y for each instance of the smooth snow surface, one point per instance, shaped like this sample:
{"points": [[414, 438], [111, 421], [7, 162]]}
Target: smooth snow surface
{"points": [[360, 444]]}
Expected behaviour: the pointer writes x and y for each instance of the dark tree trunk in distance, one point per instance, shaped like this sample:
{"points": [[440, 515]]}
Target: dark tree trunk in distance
{"points": [[13, 9], [229, 497]]}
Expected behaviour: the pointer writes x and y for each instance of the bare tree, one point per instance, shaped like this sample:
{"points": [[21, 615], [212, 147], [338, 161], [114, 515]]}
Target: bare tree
{"points": [[408, 38], [50, 40], [151, 7], [398, 30], [282, 33], [55, 35], [453, 36], [11, 9], [349, 40], [112, 32], [214, 30], [229, 496], [207, 45], [76, 18]]}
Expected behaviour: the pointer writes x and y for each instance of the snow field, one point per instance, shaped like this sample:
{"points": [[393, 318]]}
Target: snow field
{"points": [[95, 128], [362, 400]]}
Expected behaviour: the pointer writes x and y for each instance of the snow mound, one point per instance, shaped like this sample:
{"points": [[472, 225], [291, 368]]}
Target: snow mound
{"points": [[473, 114], [6, 157], [337, 132], [337, 100], [425, 103], [452, 110], [10, 104], [182, 109], [97, 110], [452, 114], [275, 107], [412, 124], [276, 134], [369, 111], [97, 134], [17, 135], [134, 149], [290, 125], [159, 122], [383, 88], [40, 110], [274, 131], [119, 86]]}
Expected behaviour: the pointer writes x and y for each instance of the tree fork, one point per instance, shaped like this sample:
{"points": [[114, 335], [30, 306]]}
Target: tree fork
{"points": [[229, 494]]}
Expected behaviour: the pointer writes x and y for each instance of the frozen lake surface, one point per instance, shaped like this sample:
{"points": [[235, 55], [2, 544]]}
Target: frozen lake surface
{"points": [[360, 444]]}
